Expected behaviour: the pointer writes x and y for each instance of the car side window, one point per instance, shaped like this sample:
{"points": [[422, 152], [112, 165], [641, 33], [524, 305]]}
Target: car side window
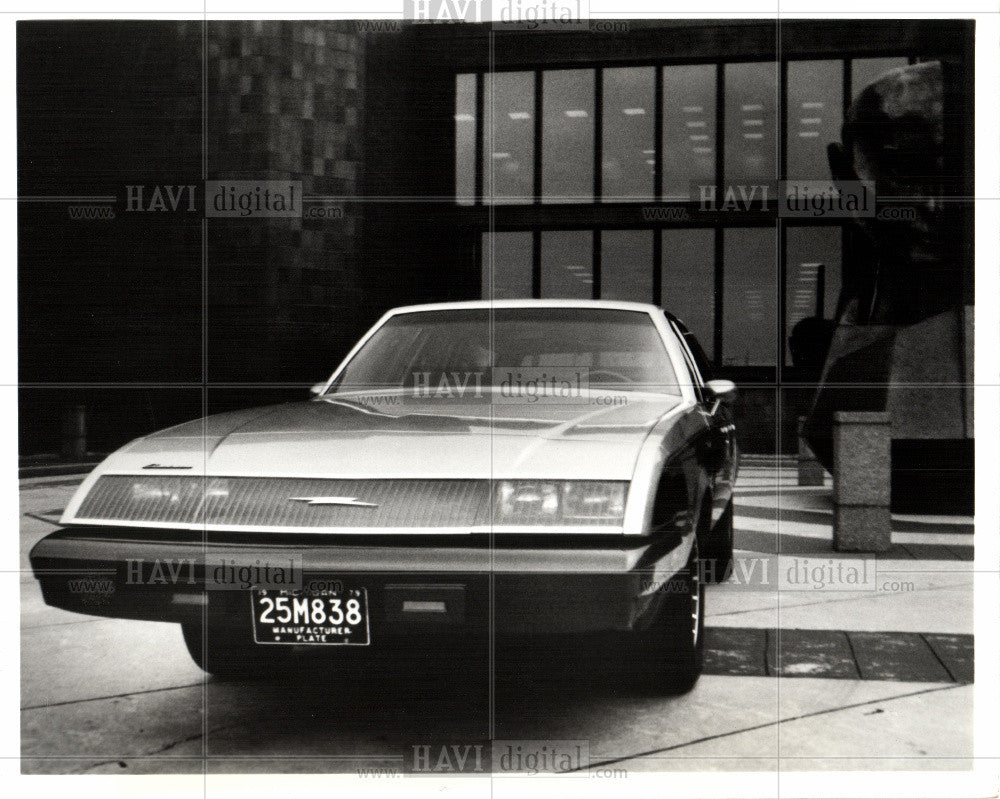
{"points": [[700, 359], [689, 362], [694, 356]]}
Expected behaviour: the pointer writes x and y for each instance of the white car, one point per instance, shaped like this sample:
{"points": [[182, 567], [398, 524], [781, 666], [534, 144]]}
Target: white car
{"points": [[552, 470]]}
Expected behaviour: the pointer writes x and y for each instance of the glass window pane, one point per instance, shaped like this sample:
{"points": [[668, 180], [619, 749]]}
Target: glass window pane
{"points": [[465, 139], [749, 303], [627, 265], [627, 139], [687, 288], [568, 136], [812, 282], [867, 70], [815, 112], [567, 264], [751, 123], [509, 137], [506, 265], [688, 129]]}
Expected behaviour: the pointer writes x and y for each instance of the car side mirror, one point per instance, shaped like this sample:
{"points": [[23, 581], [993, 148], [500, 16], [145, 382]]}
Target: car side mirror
{"points": [[317, 389], [720, 392]]}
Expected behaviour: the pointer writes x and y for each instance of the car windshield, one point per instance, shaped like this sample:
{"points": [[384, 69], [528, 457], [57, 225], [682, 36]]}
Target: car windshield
{"points": [[615, 349]]}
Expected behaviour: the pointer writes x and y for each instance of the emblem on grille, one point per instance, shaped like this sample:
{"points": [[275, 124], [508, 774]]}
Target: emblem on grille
{"points": [[351, 501]]}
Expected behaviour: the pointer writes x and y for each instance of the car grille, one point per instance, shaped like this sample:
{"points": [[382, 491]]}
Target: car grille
{"points": [[268, 503]]}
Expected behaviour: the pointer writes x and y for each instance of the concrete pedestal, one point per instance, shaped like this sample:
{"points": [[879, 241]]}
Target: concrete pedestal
{"points": [[862, 470]]}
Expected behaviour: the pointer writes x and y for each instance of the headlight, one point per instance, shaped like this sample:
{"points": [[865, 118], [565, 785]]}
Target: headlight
{"points": [[597, 501], [551, 502]]}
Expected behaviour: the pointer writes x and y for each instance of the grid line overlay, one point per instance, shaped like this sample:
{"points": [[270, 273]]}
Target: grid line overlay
{"points": [[777, 385]]}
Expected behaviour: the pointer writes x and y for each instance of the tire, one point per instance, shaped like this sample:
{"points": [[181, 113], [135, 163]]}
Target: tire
{"points": [[717, 548], [226, 655], [674, 648]]}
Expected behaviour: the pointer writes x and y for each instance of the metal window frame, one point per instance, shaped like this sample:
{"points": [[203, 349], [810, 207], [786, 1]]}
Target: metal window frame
{"points": [[530, 216]]}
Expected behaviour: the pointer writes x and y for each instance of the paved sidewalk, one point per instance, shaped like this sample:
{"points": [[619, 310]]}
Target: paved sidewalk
{"points": [[795, 607]]}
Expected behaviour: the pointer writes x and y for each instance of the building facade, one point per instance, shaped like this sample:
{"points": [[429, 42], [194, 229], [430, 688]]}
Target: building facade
{"points": [[634, 160]]}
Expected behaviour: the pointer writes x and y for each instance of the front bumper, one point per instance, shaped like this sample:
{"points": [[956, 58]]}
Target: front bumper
{"points": [[524, 586]]}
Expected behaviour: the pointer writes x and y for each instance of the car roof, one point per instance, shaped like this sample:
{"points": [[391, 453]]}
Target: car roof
{"points": [[480, 304]]}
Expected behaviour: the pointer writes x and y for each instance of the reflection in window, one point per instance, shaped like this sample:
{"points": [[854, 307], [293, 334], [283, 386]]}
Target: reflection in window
{"points": [[567, 264], [465, 139], [868, 70], [688, 129], [627, 140], [568, 136], [687, 271], [751, 123], [508, 137], [815, 112], [812, 280], [627, 265], [506, 266], [749, 303]]}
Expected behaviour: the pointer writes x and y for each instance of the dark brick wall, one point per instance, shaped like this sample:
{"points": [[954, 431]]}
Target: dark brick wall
{"points": [[122, 303], [285, 101]]}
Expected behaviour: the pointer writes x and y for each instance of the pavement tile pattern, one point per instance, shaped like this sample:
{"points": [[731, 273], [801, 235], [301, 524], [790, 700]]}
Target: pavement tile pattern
{"points": [[839, 654]]}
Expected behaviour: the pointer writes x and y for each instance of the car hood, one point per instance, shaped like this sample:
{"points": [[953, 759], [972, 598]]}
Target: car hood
{"points": [[390, 436]]}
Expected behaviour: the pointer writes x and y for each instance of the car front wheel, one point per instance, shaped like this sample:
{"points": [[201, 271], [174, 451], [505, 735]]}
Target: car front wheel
{"points": [[673, 648]]}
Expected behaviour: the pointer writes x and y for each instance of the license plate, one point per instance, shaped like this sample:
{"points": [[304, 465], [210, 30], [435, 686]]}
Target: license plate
{"points": [[319, 618]]}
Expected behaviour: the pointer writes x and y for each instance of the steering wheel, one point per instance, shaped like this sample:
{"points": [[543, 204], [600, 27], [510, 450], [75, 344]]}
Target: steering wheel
{"points": [[620, 377]]}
